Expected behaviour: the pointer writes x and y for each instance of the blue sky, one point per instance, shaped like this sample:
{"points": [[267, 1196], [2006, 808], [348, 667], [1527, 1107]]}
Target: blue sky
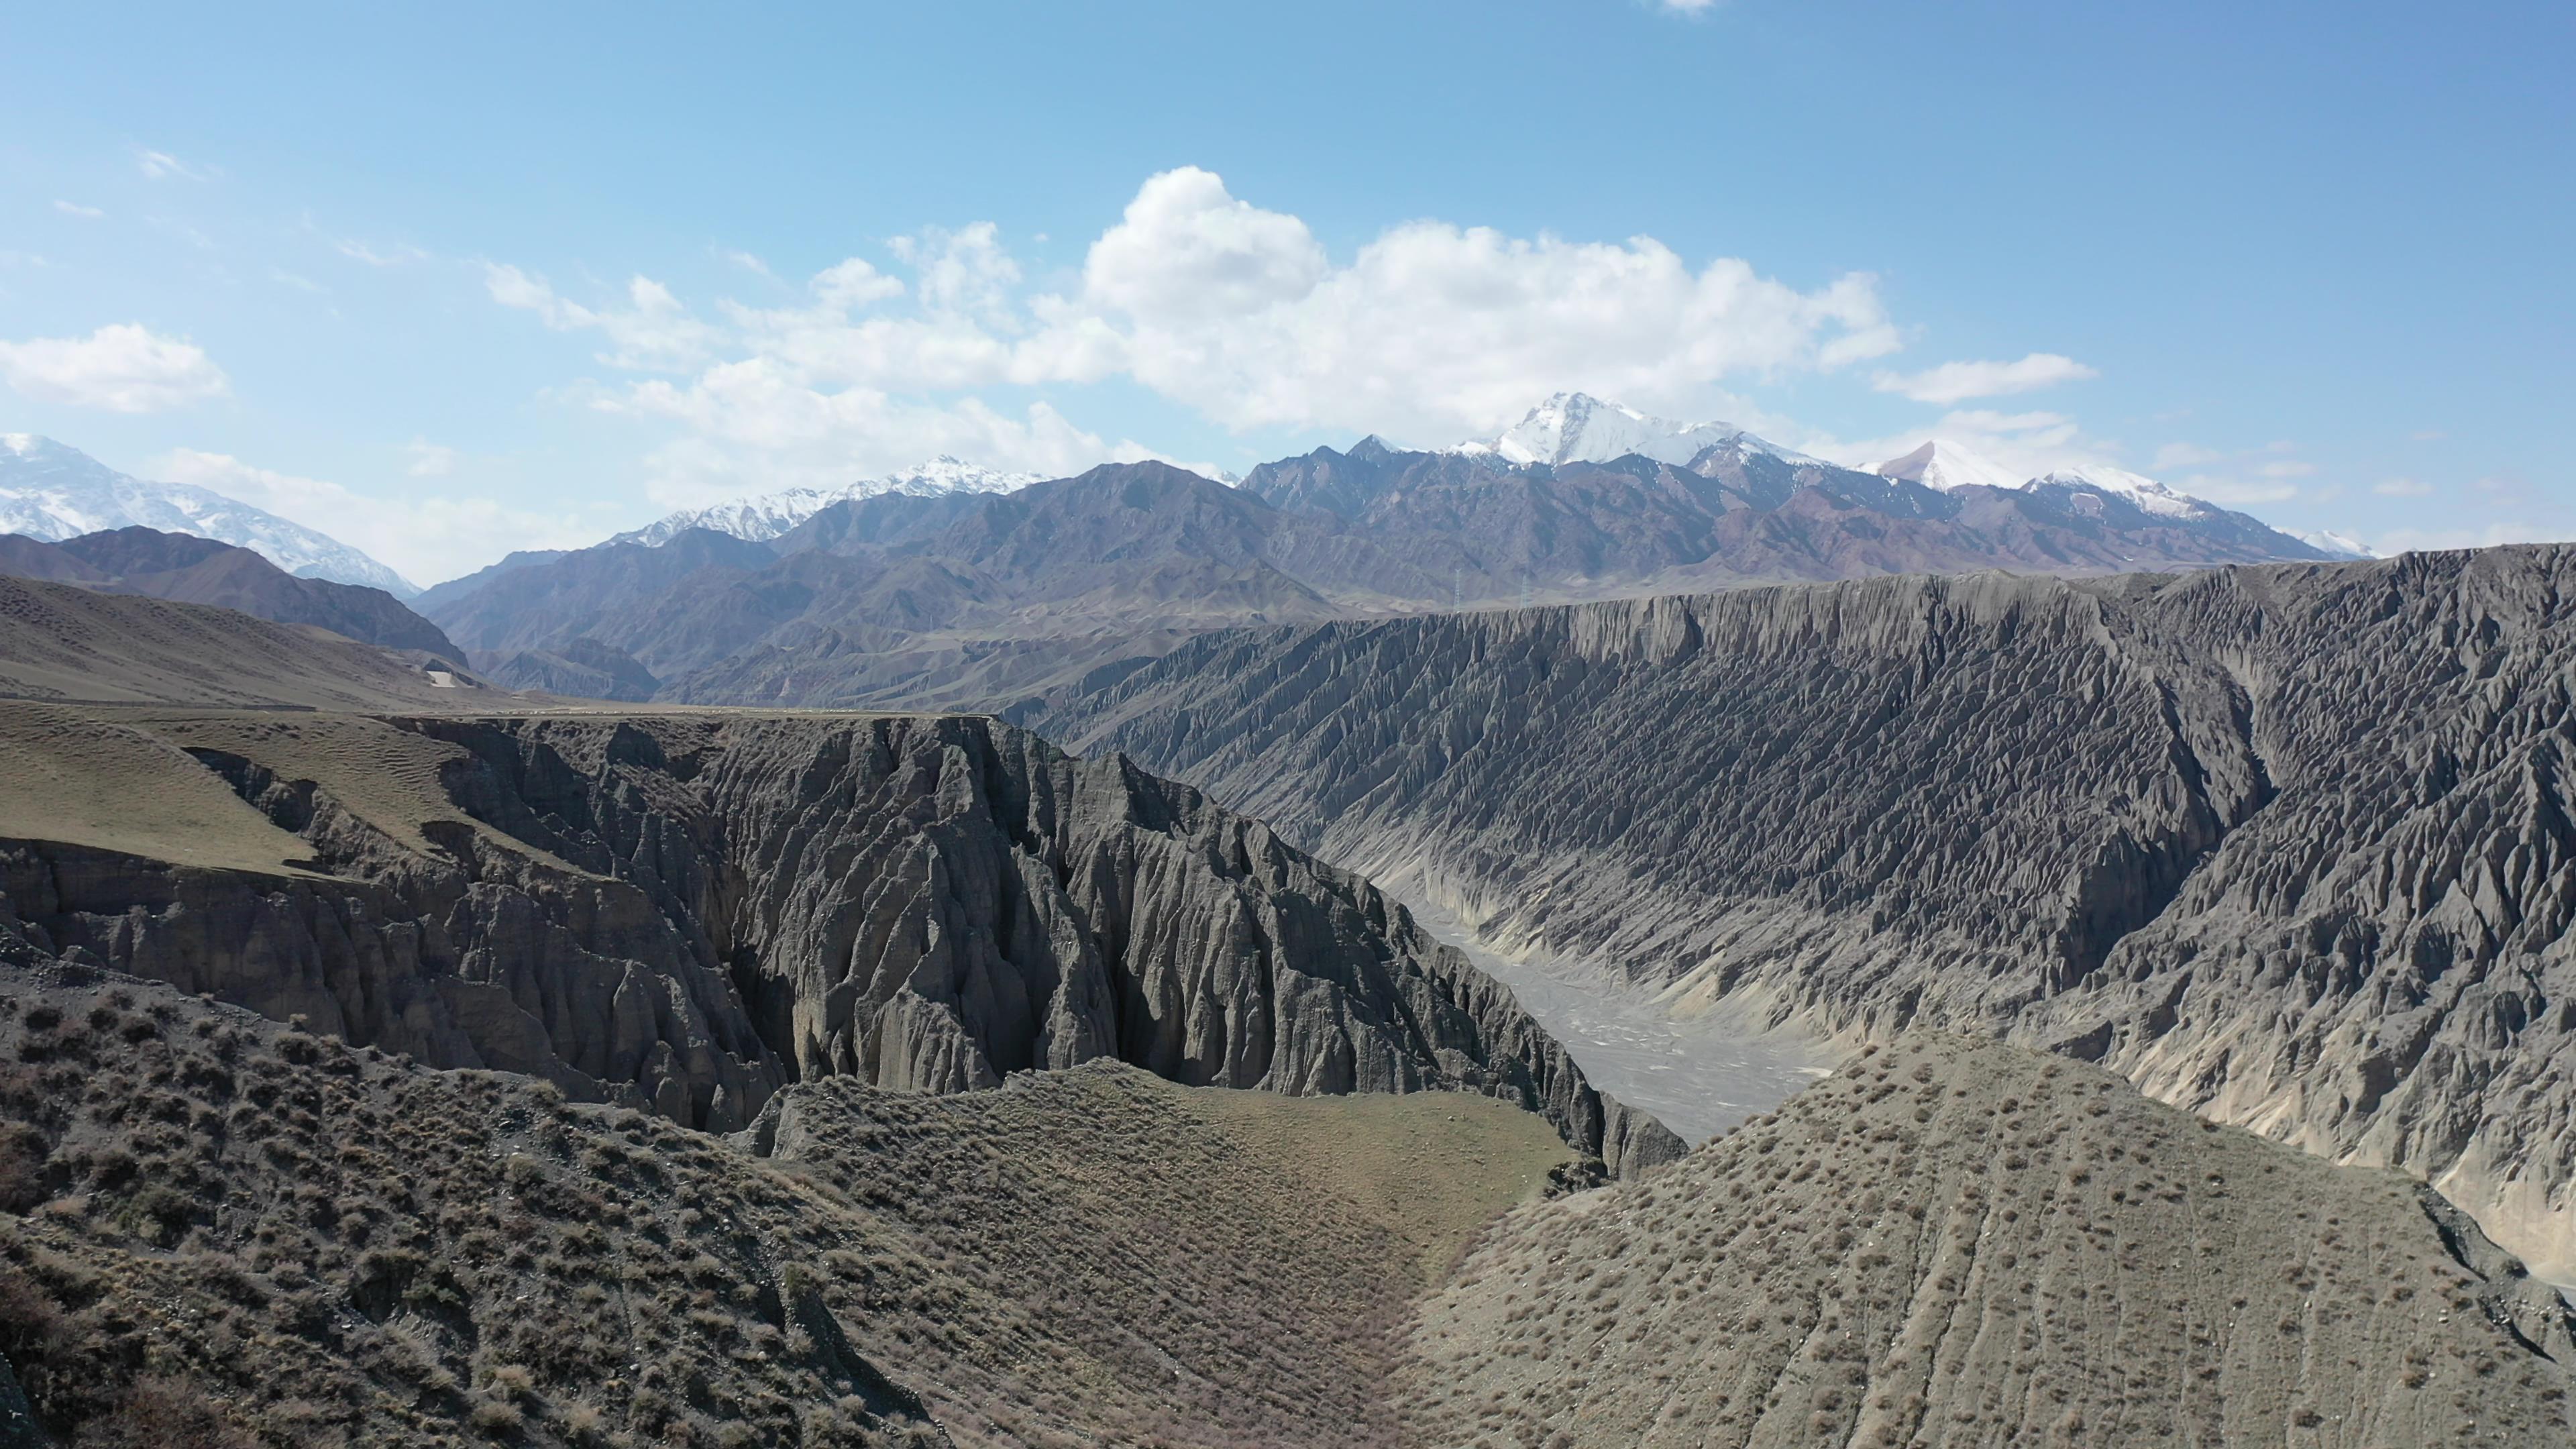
{"points": [[449, 283]]}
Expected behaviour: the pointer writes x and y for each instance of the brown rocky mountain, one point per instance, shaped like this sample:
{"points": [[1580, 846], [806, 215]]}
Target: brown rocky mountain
{"points": [[2288, 846], [69, 642], [190, 570], [980, 600]]}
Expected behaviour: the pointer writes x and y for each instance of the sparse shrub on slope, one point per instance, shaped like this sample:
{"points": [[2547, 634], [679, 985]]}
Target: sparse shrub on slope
{"points": [[1953, 1245], [233, 1232]]}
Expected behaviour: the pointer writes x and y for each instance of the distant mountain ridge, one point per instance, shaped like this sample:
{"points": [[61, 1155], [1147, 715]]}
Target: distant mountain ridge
{"points": [[952, 598], [49, 491], [765, 516], [186, 569]]}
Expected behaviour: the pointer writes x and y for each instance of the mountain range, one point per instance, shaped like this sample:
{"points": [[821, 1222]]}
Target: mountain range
{"points": [[977, 596], [49, 491]]}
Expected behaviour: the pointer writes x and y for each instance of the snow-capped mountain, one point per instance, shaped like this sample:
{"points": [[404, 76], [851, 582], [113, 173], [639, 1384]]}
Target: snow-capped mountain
{"points": [[2340, 545], [2144, 493], [52, 492], [768, 515], [1574, 427], [1945, 465]]}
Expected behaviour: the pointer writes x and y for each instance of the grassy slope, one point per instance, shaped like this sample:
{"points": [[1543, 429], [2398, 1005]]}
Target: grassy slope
{"points": [[299, 1243]]}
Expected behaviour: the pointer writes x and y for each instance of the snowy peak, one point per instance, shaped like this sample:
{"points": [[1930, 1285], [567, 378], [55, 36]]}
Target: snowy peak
{"points": [[2144, 493], [1574, 427], [1944, 465], [2336, 545], [766, 516], [51, 492]]}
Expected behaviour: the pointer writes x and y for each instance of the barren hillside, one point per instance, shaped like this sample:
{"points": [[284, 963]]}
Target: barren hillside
{"points": [[1963, 1244], [2286, 845]]}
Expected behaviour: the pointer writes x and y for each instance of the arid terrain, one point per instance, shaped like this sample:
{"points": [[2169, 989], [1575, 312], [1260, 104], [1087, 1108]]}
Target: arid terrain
{"points": [[390, 1057]]}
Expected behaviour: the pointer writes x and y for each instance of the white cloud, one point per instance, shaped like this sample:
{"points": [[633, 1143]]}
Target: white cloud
{"points": [[1686, 7], [162, 166], [651, 333], [753, 424], [1429, 333], [424, 538], [393, 256], [430, 460], [298, 281], [2287, 468], [747, 262], [1435, 331], [74, 208], [1955, 382], [2402, 488], [123, 368]]}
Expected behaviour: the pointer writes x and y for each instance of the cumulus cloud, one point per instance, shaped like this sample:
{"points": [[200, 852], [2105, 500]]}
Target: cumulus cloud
{"points": [[2401, 488], [1435, 331], [425, 538], [124, 368], [1429, 333], [1955, 382]]}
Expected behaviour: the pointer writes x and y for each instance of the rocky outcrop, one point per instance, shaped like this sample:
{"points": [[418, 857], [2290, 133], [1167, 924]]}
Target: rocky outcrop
{"points": [[2288, 845], [1955, 1244], [686, 911]]}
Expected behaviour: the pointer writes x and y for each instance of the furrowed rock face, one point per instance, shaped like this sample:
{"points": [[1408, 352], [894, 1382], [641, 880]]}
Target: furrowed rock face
{"points": [[2289, 845], [1957, 1243], [688, 911]]}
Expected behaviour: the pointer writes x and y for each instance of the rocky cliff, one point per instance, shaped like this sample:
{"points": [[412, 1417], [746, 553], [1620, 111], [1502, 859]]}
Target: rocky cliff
{"points": [[2288, 845], [688, 911]]}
